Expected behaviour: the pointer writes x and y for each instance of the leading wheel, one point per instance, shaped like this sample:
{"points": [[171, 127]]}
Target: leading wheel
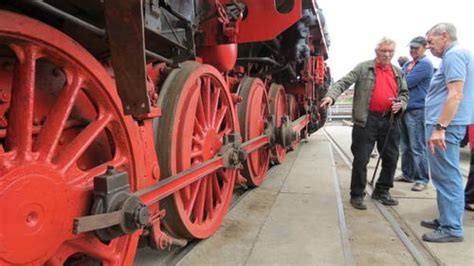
{"points": [[253, 112], [60, 126], [198, 113]]}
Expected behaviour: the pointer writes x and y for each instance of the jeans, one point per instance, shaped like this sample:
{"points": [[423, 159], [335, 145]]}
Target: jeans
{"points": [[413, 146], [376, 130], [448, 180]]}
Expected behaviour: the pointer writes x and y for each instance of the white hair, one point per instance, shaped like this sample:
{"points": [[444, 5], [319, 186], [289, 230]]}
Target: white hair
{"points": [[439, 28], [386, 40]]}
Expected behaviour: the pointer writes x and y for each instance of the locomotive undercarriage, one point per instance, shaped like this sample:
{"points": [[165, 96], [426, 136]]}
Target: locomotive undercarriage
{"points": [[133, 120]]}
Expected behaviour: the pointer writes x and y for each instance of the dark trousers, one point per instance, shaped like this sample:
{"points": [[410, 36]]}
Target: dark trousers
{"points": [[363, 141], [469, 190]]}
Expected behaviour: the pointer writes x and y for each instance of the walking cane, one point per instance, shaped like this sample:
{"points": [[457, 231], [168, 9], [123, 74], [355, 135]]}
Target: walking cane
{"points": [[390, 125]]}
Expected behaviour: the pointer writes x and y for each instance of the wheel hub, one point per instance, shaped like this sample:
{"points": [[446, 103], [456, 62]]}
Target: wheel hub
{"points": [[32, 204], [212, 144]]}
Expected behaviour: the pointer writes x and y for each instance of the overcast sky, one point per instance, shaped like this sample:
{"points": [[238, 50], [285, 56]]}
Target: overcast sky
{"points": [[355, 27]]}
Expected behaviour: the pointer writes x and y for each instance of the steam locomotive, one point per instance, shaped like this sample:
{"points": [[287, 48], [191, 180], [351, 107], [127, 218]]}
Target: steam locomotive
{"points": [[132, 121]]}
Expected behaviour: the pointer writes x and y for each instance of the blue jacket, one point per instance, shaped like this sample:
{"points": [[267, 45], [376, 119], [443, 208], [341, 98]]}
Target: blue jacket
{"points": [[418, 81]]}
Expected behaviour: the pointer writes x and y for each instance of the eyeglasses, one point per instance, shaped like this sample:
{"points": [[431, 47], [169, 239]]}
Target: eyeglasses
{"points": [[387, 51]]}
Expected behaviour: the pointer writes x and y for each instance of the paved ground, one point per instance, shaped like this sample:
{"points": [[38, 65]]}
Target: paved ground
{"points": [[301, 216], [416, 206]]}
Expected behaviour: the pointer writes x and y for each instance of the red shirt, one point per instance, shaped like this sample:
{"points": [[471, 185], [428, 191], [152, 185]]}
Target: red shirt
{"points": [[385, 88]]}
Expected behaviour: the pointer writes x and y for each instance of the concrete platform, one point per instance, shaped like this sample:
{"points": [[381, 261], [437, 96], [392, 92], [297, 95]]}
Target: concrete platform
{"points": [[417, 206], [301, 216]]}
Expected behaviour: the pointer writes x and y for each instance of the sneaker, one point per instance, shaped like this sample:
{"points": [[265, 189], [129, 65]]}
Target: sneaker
{"points": [[419, 187], [358, 203], [432, 224], [384, 197], [439, 236], [402, 178]]}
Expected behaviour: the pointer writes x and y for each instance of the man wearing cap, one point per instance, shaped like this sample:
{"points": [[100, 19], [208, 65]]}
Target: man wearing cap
{"points": [[377, 83], [449, 109], [418, 73]]}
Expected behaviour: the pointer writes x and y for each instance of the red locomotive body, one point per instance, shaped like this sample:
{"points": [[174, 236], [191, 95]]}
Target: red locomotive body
{"points": [[126, 120]]}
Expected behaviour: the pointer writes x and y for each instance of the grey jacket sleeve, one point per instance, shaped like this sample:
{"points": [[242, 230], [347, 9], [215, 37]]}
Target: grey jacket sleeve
{"points": [[344, 83]]}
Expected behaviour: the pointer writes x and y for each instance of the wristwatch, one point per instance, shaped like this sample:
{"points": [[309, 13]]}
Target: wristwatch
{"points": [[439, 126]]}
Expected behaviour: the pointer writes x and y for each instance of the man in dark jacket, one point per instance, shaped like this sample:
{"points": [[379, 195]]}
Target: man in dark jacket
{"points": [[418, 73], [377, 84]]}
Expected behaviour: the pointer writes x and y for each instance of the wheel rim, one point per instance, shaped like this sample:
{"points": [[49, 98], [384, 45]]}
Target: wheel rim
{"points": [[61, 126], [278, 110], [292, 107], [253, 111], [199, 113]]}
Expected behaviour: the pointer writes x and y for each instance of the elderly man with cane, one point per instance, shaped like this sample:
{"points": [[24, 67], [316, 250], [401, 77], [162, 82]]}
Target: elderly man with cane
{"points": [[380, 93]]}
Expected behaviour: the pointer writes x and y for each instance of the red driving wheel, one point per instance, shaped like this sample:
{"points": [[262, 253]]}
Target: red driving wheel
{"points": [[293, 114], [61, 125], [278, 110], [253, 112], [198, 112]]}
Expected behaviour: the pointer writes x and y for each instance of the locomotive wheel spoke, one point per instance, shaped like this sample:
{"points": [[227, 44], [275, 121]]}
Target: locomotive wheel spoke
{"points": [[225, 131], [194, 191], [199, 209], [199, 131], [196, 154], [82, 142], [220, 116], [216, 189], [214, 105], [210, 197], [201, 114], [49, 136], [206, 98], [20, 131]]}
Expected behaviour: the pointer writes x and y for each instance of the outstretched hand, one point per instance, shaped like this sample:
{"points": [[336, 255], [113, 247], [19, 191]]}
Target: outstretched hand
{"points": [[326, 102]]}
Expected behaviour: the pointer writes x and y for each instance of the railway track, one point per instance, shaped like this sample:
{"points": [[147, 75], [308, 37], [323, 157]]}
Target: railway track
{"points": [[382, 234], [417, 248], [421, 254]]}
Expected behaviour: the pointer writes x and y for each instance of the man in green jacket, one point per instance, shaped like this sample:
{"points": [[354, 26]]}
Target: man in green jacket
{"points": [[379, 90]]}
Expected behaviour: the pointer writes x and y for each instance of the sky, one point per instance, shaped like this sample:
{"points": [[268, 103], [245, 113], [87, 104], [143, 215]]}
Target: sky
{"points": [[355, 27]]}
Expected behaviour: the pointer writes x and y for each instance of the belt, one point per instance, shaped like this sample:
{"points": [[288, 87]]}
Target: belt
{"points": [[379, 114]]}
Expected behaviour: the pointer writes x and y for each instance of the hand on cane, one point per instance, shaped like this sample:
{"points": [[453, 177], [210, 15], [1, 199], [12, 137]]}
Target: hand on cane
{"points": [[396, 105]]}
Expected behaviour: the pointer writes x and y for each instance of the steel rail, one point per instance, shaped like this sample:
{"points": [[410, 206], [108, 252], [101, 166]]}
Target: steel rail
{"points": [[346, 245], [417, 255]]}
